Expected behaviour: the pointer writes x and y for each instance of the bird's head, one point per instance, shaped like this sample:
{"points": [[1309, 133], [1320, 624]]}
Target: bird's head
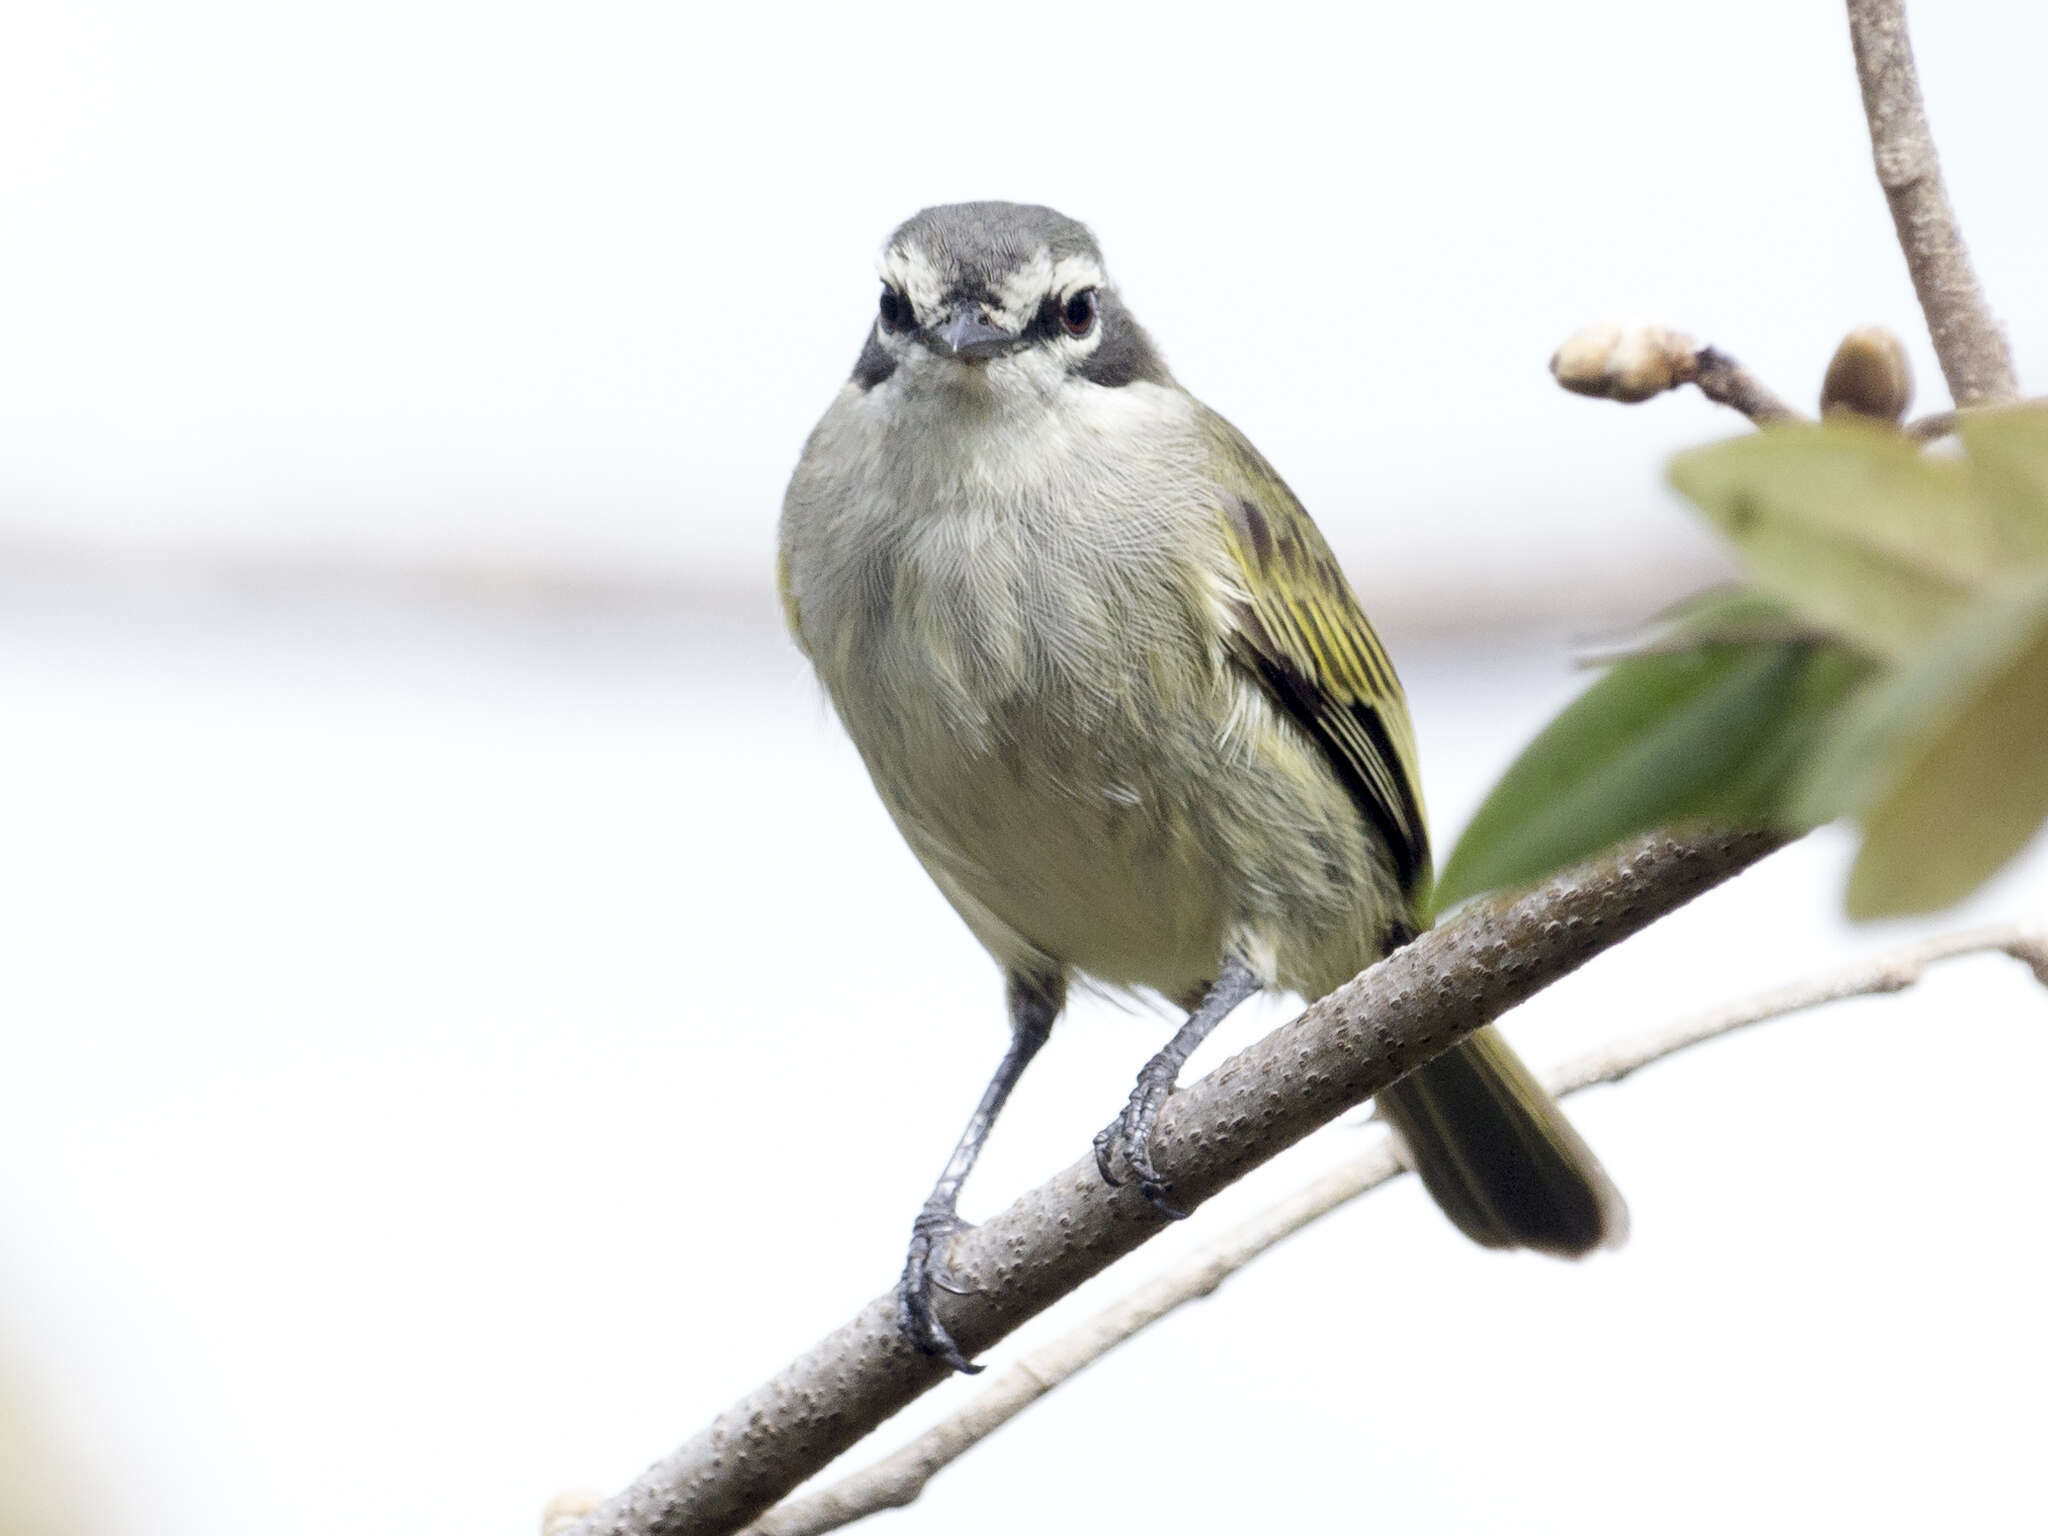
{"points": [[996, 292]]}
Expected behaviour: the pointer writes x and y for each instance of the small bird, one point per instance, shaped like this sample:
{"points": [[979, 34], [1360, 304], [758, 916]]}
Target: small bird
{"points": [[1123, 705]]}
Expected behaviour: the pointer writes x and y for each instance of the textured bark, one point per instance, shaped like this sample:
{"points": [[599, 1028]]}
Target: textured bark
{"points": [[900, 1477], [1967, 339], [1338, 1053]]}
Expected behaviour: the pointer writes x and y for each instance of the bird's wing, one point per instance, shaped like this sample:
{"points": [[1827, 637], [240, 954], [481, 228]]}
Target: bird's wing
{"points": [[1300, 632]]}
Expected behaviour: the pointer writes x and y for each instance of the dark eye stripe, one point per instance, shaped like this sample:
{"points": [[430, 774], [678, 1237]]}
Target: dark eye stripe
{"points": [[1123, 353], [1046, 323]]}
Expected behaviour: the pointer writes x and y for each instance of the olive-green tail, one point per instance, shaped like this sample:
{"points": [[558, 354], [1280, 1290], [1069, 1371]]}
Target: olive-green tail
{"points": [[1498, 1155]]}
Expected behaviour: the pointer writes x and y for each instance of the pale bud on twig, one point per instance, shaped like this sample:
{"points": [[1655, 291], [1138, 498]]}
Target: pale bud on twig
{"points": [[1869, 376], [1629, 361]]}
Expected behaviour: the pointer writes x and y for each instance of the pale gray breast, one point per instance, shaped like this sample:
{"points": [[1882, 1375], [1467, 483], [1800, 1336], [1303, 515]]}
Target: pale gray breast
{"points": [[973, 575], [1014, 618]]}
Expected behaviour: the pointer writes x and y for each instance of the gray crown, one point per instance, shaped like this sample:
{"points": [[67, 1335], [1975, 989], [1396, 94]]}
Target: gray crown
{"points": [[971, 245]]}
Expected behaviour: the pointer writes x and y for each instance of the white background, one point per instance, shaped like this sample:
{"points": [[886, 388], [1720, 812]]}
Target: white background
{"points": [[467, 1018]]}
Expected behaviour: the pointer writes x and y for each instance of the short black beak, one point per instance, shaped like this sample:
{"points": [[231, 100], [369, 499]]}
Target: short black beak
{"points": [[967, 333]]}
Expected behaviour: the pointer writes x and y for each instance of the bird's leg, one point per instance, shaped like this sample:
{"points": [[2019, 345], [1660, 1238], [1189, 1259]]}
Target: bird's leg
{"points": [[1131, 1132], [1034, 1004]]}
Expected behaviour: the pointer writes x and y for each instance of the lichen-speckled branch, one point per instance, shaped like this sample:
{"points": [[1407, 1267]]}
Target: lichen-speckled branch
{"points": [[1338, 1053], [898, 1478]]}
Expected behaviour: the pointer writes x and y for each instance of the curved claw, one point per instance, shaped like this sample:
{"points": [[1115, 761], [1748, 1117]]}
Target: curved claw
{"points": [[1130, 1134], [1105, 1149], [1150, 1184], [923, 1269], [1160, 1194]]}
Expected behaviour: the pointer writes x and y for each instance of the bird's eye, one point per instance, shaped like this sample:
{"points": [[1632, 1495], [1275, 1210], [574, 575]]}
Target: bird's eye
{"points": [[895, 310], [1077, 315]]}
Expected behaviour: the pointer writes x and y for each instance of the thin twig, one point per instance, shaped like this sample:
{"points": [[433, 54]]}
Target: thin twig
{"points": [[1633, 362], [1726, 382], [1932, 427], [900, 1477], [1893, 972], [1967, 339], [1940, 424], [1415, 1004]]}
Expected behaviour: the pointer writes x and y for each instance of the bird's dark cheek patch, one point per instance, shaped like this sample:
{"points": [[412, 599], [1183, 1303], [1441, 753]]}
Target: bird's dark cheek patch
{"points": [[874, 364], [1124, 354]]}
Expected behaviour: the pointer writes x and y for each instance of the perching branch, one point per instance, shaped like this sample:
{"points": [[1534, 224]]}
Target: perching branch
{"points": [[1967, 339], [1413, 1005], [900, 1477]]}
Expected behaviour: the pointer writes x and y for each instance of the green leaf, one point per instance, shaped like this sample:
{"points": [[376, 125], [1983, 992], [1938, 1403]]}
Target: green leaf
{"points": [[1716, 734], [2008, 450], [1852, 526], [1946, 762]]}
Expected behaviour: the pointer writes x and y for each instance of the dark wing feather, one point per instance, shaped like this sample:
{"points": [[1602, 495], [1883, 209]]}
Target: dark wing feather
{"points": [[1493, 1148], [1301, 633]]}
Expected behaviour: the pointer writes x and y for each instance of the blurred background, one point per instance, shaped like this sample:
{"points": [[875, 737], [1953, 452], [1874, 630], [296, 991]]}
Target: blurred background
{"points": [[457, 981]]}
